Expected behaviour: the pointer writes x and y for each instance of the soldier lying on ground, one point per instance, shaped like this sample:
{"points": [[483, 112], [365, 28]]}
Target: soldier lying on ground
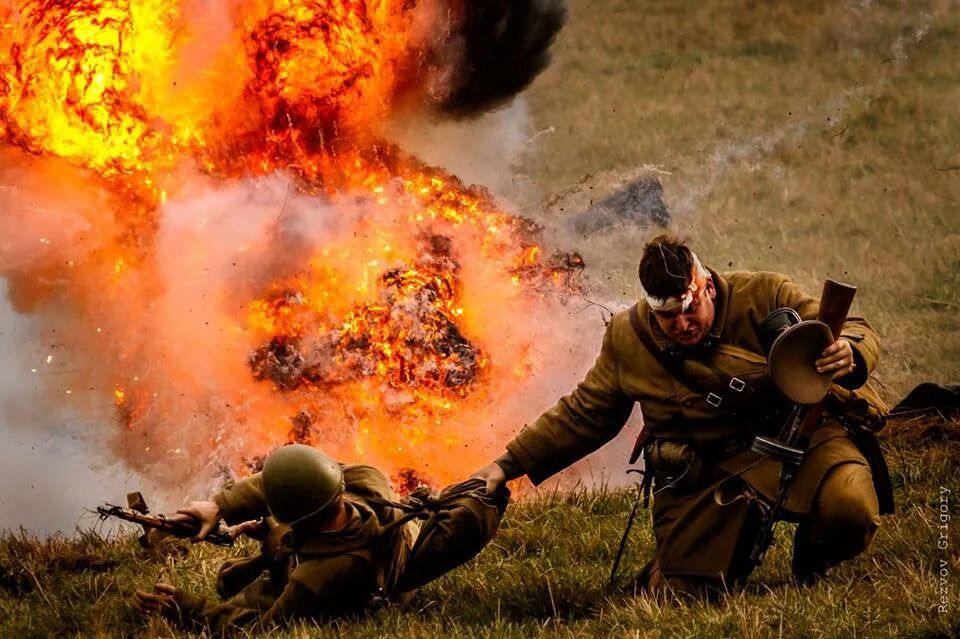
{"points": [[691, 354], [335, 541]]}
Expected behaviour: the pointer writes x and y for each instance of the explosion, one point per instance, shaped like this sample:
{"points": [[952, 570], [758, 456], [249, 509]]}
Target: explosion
{"points": [[361, 322]]}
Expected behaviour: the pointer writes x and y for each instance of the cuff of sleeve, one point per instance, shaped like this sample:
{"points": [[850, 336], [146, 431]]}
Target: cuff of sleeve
{"points": [[856, 379], [535, 470], [510, 466], [223, 503]]}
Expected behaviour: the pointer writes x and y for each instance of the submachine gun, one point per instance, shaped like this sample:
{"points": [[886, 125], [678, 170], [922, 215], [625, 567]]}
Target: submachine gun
{"points": [[790, 446], [138, 513]]}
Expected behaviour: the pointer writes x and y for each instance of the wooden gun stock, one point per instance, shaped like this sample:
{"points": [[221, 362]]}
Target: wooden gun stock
{"points": [[835, 302]]}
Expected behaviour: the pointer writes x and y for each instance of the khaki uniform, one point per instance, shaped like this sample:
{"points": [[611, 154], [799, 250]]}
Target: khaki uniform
{"points": [[381, 555], [707, 481]]}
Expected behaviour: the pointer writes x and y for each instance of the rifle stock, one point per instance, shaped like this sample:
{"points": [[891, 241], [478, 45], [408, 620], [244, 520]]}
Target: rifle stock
{"points": [[835, 301], [138, 513]]}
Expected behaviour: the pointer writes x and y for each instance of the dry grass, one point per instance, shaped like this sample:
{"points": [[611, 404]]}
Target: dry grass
{"points": [[816, 139]]}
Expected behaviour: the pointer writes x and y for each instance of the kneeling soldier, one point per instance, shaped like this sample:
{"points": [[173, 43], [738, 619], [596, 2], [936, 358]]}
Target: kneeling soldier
{"points": [[691, 353], [335, 541]]}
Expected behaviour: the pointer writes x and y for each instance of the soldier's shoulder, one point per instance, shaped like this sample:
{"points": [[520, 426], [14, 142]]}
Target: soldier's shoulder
{"points": [[363, 479], [750, 282], [620, 326], [621, 317]]}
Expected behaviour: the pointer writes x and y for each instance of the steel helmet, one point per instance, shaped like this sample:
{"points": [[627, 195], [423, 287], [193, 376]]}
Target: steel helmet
{"points": [[299, 481]]}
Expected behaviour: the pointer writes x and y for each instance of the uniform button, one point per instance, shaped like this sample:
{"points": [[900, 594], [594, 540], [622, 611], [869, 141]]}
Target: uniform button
{"points": [[688, 403]]}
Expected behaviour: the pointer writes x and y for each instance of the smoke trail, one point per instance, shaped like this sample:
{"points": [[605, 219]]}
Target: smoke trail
{"points": [[733, 156]]}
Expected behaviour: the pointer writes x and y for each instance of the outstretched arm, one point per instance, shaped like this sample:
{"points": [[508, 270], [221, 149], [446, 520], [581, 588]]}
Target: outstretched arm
{"points": [[576, 426]]}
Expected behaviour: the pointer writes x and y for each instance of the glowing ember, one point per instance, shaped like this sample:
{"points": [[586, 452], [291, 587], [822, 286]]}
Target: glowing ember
{"points": [[373, 341]]}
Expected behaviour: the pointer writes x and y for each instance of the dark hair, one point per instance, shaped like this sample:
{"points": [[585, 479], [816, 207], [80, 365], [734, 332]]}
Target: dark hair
{"points": [[665, 266]]}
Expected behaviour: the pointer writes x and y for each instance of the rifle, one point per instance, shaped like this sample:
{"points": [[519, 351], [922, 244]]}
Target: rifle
{"points": [[790, 446], [138, 513]]}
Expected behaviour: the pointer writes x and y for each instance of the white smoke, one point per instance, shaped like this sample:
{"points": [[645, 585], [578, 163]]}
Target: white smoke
{"points": [[56, 469], [486, 150]]}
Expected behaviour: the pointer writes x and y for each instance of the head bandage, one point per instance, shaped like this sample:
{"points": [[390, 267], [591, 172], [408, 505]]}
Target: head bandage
{"points": [[698, 281]]}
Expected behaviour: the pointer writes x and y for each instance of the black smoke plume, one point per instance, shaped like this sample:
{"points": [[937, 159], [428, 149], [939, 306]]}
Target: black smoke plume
{"points": [[504, 45]]}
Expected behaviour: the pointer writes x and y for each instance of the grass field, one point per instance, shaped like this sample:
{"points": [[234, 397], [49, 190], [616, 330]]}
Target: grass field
{"points": [[545, 573], [817, 139], [812, 138]]}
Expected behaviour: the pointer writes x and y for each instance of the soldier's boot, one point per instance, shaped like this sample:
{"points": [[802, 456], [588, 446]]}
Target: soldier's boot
{"points": [[842, 525]]}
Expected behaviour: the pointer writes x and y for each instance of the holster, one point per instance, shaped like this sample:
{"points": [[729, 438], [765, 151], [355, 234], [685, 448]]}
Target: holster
{"points": [[866, 441]]}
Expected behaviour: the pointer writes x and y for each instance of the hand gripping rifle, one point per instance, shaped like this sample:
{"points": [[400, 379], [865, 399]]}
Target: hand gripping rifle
{"points": [[790, 446], [138, 513]]}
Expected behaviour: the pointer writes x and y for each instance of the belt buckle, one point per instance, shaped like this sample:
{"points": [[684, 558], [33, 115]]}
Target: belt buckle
{"points": [[737, 384], [714, 400]]}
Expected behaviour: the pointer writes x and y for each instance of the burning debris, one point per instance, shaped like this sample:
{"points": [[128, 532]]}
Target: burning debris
{"points": [[408, 336], [407, 480]]}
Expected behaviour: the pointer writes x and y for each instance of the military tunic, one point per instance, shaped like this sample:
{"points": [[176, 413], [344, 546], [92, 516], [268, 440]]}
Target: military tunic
{"points": [[317, 575], [734, 401], [329, 573]]}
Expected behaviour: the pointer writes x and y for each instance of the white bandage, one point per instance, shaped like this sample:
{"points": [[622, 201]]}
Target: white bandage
{"points": [[698, 281]]}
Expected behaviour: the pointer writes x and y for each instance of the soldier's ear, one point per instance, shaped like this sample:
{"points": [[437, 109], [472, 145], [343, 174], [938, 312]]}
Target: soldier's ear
{"points": [[711, 289]]}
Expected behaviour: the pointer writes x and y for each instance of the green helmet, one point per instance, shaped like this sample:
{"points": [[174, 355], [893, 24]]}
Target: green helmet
{"points": [[299, 481]]}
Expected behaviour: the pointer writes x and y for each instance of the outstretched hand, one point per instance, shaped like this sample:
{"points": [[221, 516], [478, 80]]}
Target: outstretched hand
{"points": [[837, 359], [160, 600], [493, 475], [205, 513]]}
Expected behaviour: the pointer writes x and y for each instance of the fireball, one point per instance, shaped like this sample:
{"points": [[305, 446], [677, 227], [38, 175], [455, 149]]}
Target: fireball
{"points": [[373, 338]]}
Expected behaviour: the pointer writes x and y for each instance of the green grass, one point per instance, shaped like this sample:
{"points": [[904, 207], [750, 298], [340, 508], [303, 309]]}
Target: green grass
{"points": [[544, 575]]}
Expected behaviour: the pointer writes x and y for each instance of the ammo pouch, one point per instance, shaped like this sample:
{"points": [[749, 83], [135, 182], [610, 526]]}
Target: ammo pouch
{"points": [[862, 406], [676, 465]]}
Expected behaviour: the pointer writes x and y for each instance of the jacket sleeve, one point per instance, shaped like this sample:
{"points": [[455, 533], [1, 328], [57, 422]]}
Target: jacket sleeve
{"points": [[578, 424], [856, 330], [242, 500], [221, 618], [315, 590]]}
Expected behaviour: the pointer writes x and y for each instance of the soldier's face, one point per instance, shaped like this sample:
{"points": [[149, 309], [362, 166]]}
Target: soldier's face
{"points": [[688, 328]]}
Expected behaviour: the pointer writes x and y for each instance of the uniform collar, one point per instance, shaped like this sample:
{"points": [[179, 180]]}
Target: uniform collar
{"points": [[721, 305], [361, 528]]}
